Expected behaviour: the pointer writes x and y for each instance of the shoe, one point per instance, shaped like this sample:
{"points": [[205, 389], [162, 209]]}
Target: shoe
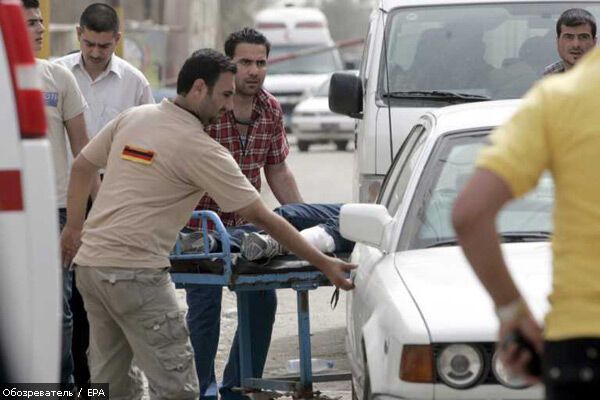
{"points": [[256, 245], [193, 242]]}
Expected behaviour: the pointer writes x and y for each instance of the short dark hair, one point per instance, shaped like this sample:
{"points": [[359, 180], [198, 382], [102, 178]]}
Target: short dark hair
{"points": [[575, 17], [245, 35], [205, 64], [31, 3], [99, 17]]}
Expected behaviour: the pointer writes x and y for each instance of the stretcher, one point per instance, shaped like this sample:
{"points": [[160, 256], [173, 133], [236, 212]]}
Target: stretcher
{"points": [[228, 269]]}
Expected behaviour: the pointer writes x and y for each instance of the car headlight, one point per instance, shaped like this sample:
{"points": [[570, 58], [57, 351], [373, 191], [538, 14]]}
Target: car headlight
{"points": [[504, 376], [460, 365]]}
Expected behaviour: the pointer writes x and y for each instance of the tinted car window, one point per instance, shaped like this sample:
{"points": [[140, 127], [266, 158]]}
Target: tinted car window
{"points": [[449, 168], [499, 53], [399, 174]]}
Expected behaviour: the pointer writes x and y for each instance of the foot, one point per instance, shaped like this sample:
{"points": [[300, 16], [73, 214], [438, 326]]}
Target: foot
{"points": [[193, 242], [255, 246]]}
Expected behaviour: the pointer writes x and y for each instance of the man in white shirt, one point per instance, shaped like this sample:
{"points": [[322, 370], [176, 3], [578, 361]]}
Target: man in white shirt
{"points": [[110, 84], [65, 106]]}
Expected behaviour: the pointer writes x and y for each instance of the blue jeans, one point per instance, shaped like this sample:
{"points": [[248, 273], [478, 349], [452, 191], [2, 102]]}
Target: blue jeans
{"points": [[301, 216], [307, 215], [204, 304], [66, 365]]}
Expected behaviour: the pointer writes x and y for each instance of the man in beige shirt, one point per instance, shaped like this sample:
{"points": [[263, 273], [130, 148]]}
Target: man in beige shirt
{"points": [[158, 162]]}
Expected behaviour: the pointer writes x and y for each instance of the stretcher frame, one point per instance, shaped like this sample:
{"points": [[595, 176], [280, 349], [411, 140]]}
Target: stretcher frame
{"points": [[302, 282]]}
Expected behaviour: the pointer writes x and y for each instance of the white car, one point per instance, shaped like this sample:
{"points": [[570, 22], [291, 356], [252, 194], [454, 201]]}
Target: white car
{"points": [[314, 122], [419, 323]]}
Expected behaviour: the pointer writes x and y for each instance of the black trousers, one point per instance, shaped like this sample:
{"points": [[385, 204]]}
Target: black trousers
{"points": [[81, 338], [571, 369]]}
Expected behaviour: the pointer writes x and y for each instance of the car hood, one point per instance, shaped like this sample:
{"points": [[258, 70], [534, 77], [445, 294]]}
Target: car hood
{"points": [[292, 83], [452, 301]]}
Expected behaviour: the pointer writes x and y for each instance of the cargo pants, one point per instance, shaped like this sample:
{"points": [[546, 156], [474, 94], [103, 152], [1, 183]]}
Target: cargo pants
{"points": [[134, 315]]}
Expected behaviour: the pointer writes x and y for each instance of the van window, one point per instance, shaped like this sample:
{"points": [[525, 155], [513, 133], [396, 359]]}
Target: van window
{"points": [[495, 50], [320, 63]]}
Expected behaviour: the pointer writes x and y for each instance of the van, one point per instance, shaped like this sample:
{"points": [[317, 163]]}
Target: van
{"points": [[302, 56], [30, 270], [421, 54]]}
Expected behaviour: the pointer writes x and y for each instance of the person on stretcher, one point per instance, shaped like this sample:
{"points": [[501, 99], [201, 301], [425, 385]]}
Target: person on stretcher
{"points": [[318, 223]]}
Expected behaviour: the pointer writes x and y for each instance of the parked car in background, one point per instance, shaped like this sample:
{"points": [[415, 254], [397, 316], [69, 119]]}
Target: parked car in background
{"points": [[427, 54], [313, 121], [419, 323], [294, 32], [30, 270]]}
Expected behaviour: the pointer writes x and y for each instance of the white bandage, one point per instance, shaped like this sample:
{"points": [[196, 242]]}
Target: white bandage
{"points": [[318, 237]]}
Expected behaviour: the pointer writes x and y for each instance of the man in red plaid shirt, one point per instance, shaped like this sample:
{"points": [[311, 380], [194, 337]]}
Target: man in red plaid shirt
{"points": [[254, 134]]}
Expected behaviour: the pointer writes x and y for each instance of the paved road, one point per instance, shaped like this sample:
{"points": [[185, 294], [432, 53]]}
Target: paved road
{"points": [[323, 175]]}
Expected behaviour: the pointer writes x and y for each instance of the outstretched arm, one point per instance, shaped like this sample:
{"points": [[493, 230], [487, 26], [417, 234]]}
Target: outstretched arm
{"points": [[288, 236], [474, 217]]}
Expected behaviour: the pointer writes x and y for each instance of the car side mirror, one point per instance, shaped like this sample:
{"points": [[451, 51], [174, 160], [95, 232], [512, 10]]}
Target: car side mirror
{"points": [[346, 94], [365, 223]]}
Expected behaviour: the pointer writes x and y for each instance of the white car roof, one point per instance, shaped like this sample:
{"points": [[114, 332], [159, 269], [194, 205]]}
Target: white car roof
{"points": [[469, 116], [388, 5]]}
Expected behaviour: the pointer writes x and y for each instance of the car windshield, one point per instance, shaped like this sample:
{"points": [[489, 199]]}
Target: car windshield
{"points": [[318, 63], [428, 222], [494, 50]]}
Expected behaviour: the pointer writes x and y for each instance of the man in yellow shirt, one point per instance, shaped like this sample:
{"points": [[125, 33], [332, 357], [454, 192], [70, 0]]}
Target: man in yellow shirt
{"points": [[556, 129]]}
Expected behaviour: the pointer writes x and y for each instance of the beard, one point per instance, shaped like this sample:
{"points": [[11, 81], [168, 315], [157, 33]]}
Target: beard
{"points": [[246, 89]]}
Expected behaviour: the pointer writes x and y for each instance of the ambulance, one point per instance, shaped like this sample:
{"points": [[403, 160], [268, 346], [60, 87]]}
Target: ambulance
{"points": [[303, 54], [30, 270]]}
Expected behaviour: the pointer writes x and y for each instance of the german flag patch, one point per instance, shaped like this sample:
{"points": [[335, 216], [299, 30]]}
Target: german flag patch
{"points": [[138, 155]]}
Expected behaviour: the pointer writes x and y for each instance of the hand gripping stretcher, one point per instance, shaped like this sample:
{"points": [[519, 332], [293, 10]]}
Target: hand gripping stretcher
{"points": [[242, 276]]}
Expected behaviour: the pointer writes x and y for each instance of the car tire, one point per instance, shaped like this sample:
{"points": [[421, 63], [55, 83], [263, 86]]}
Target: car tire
{"points": [[303, 145], [341, 145]]}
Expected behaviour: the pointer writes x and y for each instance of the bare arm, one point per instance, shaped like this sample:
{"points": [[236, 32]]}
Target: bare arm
{"points": [[289, 237], [77, 133], [83, 173], [282, 183], [474, 217], [78, 138]]}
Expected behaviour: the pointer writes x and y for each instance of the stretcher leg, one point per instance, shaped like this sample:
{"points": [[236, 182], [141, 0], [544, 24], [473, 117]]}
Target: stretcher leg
{"points": [[306, 383], [243, 307]]}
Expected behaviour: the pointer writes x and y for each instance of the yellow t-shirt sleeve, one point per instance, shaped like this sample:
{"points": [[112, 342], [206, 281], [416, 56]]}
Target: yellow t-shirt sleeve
{"points": [[519, 151]]}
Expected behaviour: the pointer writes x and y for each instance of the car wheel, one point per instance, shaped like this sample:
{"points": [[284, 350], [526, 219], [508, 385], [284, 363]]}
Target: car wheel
{"points": [[303, 145], [341, 145]]}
